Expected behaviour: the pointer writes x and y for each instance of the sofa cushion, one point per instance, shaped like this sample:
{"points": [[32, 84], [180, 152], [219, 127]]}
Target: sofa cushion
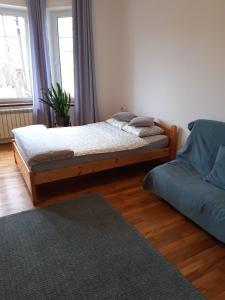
{"points": [[180, 184], [217, 174], [202, 145]]}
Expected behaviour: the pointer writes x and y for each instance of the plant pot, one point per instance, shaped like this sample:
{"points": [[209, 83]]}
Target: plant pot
{"points": [[62, 121]]}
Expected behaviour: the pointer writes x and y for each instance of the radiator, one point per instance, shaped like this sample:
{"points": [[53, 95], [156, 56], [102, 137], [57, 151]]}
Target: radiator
{"points": [[13, 118]]}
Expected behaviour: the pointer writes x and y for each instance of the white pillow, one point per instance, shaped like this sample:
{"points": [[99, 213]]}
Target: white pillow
{"points": [[143, 131], [116, 123]]}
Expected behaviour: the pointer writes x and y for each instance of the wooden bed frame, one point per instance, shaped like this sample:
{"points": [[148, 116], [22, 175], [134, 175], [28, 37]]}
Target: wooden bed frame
{"points": [[33, 179]]}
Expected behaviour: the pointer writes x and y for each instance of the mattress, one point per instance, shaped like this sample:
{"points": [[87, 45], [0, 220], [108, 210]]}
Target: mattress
{"points": [[79, 144], [154, 142], [96, 138]]}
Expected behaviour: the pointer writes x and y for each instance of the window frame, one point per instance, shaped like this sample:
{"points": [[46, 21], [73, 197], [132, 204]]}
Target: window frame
{"points": [[52, 30], [21, 12]]}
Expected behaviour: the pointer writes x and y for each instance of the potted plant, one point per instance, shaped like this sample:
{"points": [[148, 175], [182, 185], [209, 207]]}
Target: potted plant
{"points": [[60, 102]]}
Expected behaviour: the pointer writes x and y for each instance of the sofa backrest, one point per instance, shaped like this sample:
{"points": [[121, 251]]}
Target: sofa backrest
{"points": [[202, 144]]}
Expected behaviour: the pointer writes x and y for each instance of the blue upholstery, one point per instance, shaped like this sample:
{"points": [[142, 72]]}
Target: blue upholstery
{"points": [[217, 174], [203, 144], [180, 182]]}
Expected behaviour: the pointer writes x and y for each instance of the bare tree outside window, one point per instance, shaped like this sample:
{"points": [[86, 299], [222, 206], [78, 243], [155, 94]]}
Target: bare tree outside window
{"points": [[15, 79]]}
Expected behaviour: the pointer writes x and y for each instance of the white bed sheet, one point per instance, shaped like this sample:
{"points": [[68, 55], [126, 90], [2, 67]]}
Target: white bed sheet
{"points": [[97, 138]]}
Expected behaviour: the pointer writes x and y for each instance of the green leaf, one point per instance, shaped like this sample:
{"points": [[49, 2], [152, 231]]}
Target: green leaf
{"points": [[57, 99]]}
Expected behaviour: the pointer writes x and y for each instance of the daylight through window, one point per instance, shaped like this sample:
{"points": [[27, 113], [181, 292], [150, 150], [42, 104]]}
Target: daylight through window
{"points": [[65, 37], [15, 79]]}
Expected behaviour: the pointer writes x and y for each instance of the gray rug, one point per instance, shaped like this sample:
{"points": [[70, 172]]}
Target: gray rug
{"points": [[83, 249]]}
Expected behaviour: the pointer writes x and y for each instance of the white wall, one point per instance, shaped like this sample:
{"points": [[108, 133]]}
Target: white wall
{"points": [[109, 51], [175, 63]]}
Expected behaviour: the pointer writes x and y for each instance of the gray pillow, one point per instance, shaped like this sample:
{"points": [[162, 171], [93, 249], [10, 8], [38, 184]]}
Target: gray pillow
{"points": [[142, 122], [124, 116], [143, 131]]}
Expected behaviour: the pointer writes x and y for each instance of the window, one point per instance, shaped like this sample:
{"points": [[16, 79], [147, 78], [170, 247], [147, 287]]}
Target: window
{"points": [[15, 77], [65, 37], [61, 48]]}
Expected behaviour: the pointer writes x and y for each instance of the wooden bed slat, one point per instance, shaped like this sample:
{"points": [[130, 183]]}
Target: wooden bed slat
{"points": [[87, 168]]}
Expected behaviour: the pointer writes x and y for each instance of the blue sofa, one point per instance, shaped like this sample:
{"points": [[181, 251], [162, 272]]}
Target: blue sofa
{"points": [[182, 183]]}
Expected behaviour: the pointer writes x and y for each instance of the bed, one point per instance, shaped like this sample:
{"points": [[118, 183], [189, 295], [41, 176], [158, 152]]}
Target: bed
{"points": [[74, 151]]}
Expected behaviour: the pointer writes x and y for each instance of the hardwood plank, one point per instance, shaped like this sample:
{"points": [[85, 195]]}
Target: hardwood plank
{"points": [[197, 255]]}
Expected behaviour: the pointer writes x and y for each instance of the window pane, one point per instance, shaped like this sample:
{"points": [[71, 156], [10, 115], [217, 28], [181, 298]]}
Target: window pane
{"points": [[14, 64], [66, 53]]}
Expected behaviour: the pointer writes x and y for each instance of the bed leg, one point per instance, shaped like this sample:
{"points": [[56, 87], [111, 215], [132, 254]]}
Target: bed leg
{"points": [[173, 142], [33, 191], [34, 197], [14, 153]]}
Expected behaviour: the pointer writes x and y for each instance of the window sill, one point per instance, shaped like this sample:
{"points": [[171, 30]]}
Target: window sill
{"points": [[20, 103], [13, 103]]}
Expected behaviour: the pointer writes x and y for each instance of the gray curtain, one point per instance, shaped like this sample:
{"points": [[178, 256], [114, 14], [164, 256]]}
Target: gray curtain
{"points": [[40, 59], [84, 73]]}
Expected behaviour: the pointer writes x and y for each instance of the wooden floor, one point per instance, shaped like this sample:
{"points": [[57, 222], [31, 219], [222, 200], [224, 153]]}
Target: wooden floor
{"points": [[197, 255]]}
